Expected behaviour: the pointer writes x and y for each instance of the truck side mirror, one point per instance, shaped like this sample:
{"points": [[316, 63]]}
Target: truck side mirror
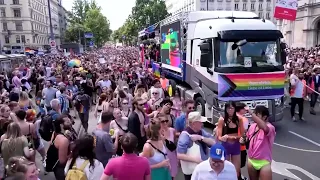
{"points": [[206, 57], [283, 54]]}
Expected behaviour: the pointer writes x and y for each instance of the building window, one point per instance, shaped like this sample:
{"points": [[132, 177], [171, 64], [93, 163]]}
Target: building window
{"points": [[268, 15], [252, 6], [260, 15], [3, 12], [236, 6], [19, 26], [16, 13], [18, 39], [244, 6], [15, 1], [23, 38], [260, 6], [6, 39], [5, 26], [268, 6], [2, 2]]}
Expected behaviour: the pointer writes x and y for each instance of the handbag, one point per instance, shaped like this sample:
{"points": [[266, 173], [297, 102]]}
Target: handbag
{"points": [[187, 166]]}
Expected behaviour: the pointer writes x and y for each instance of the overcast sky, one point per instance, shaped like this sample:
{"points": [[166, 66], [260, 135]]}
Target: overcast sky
{"points": [[116, 11]]}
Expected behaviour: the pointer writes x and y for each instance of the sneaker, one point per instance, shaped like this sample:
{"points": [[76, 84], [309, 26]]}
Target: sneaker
{"points": [[302, 119], [294, 119]]}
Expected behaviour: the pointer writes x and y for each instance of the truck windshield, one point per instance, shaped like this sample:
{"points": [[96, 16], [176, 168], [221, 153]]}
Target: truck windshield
{"points": [[249, 54]]}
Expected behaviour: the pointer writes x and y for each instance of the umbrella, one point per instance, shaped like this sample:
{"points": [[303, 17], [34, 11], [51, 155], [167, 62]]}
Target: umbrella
{"points": [[74, 62]]}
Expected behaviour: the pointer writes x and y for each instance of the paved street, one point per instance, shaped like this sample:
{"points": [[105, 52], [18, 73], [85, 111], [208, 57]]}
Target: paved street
{"points": [[295, 152]]}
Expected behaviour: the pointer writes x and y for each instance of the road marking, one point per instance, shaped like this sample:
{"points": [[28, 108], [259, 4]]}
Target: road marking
{"points": [[297, 149], [284, 170], [307, 139]]}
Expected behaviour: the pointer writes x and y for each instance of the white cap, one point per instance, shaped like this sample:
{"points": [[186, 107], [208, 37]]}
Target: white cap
{"points": [[196, 117]]}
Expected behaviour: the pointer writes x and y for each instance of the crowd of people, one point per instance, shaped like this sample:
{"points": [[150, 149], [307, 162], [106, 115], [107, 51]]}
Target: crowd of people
{"points": [[303, 69], [142, 132]]}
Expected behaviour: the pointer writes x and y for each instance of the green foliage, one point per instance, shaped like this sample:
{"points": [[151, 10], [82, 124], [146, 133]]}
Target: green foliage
{"points": [[144, 14], [87, 17]]}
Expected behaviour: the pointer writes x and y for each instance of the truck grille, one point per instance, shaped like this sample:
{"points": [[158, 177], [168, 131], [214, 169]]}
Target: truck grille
{"points": [[253, 104]]}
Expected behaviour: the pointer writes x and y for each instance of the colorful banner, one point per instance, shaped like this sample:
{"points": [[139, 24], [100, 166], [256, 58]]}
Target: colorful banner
{"points": [[156, 69], [286, 9], [170, 46], [253, 86]]}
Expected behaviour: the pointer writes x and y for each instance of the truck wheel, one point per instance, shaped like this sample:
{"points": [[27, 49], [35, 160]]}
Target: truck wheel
{"points": [[200, 105]]}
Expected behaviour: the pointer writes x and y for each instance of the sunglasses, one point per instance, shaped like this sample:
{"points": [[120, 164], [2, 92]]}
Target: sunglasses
{"points": [[125, 103], [154, 93], [164, 121], [190, 108], [140, 104]]}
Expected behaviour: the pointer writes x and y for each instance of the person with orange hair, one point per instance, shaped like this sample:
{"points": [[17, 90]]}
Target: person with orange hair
{"points": [[31, 115]]}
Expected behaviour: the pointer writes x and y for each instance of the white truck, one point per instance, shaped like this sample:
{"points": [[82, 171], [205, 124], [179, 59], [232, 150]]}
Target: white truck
{"points": [[219, 56]]}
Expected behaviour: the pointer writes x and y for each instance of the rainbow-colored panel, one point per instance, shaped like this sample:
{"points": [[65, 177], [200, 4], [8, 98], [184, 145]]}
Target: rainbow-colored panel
{"points": [[250, 86], [156, 70]]}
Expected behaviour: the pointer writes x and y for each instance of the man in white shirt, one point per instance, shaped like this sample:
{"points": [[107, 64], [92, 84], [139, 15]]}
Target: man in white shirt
{"points": [[297, 93], [216, 167]]}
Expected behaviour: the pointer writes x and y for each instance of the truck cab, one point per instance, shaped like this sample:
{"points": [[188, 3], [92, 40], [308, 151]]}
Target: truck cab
{"points": [[218, 56]]}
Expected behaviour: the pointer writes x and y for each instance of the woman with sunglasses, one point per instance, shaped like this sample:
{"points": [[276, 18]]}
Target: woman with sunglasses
{"points": [[155, 151], [230, 130], [125, 108], [169, 134]]}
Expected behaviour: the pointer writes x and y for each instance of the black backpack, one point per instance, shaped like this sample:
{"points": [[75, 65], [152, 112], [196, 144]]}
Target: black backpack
{"points": [[46, 127]]}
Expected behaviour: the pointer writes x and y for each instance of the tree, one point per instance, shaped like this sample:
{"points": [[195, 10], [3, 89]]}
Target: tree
{"points": [[144, 14], [87, 17], [99, 26]]}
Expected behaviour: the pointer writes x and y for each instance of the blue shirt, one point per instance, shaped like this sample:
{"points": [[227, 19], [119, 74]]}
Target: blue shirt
{"points": [[185, 142], [180, 123]]}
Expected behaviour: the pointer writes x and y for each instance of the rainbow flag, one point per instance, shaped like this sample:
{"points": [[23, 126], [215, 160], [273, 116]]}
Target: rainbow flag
{"points": [[250, 86]]}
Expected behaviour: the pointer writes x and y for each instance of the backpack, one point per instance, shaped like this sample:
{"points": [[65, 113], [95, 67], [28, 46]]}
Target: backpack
{"points": [[77, 173], [46, 127]]}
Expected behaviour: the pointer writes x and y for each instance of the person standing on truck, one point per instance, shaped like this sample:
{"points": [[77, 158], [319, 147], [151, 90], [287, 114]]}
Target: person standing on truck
{"points": [[228, 133]]}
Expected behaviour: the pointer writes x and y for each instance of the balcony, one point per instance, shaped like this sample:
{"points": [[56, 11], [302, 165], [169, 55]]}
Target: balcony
{"points": [[236, 0], [252, 0]]}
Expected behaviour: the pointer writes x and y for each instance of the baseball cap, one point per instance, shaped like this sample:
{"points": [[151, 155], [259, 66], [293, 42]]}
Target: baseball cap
{"points": [[217, 152], [196, 117]]}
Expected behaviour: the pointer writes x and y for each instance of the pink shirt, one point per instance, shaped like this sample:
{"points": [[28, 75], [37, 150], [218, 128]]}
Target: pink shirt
{"points": [[128, 167], [261, 144]]}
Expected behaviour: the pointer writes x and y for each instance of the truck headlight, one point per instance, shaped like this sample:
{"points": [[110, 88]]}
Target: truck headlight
{"points": [[277, 102]]}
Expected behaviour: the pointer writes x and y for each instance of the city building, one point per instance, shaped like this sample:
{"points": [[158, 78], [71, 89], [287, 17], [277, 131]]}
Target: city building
{"points": [[305, 30], [63, 15], [263, 8], [55, 19], [25, 24]]}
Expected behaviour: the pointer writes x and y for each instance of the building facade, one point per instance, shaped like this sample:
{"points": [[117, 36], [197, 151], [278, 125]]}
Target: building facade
{"points": [[305, 30], [63, 15], [25, 24], [263, 8]]}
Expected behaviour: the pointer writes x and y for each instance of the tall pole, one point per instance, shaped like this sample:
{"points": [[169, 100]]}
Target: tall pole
{"points": [[50, 21]]}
